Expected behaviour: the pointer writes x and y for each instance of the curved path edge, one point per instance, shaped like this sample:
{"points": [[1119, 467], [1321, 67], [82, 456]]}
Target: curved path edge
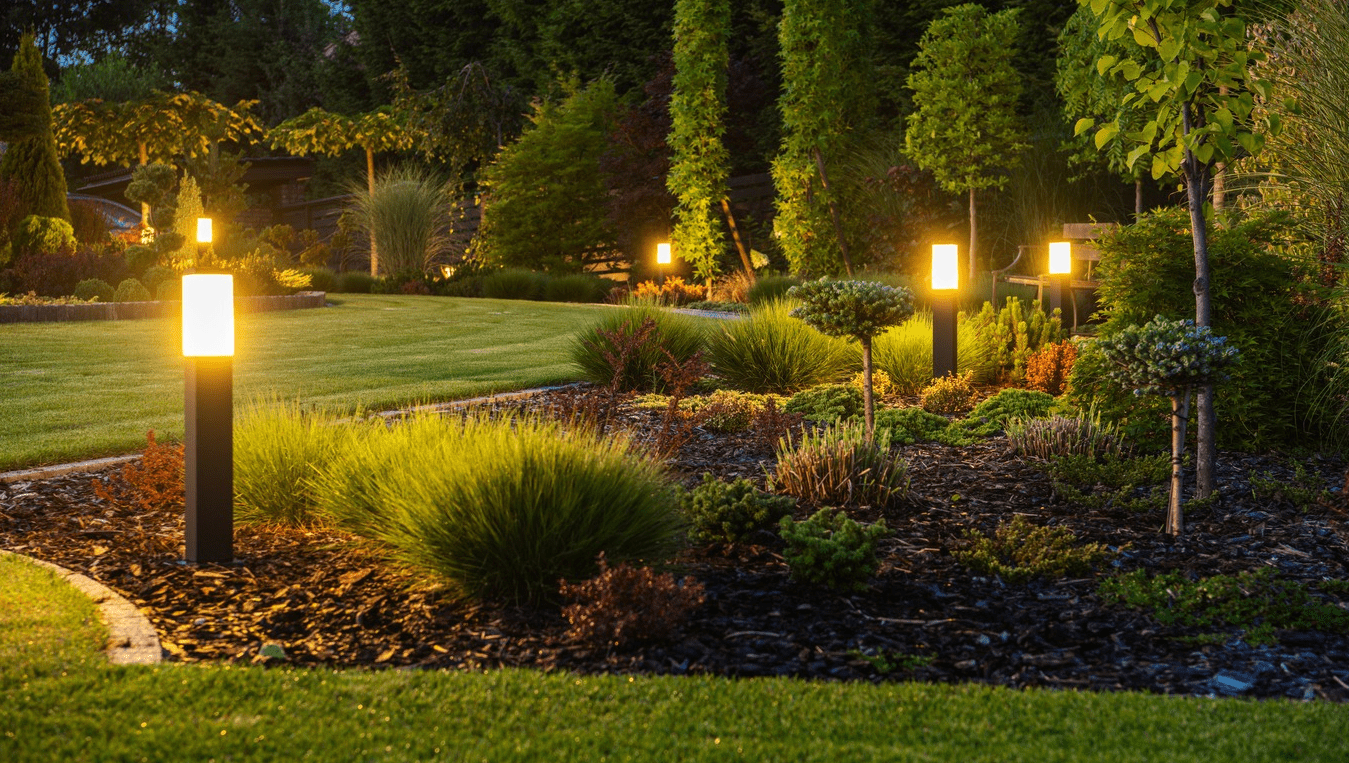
{"points": [[131, 638]]}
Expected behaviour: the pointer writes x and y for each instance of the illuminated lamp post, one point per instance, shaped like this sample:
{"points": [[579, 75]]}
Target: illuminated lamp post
{"points": [[208, 450], [945, 287], [662, 258], [1060, 295]]}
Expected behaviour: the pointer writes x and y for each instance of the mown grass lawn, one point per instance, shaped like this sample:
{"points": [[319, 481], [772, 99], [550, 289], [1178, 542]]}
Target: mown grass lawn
{"points": [[77, 390], [58, 702]]}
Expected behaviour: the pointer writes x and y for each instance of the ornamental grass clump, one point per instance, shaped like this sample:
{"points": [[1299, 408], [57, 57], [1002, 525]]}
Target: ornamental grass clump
{"points": [[504, 508], [855, 310], [1171, 358], [406, 215], [728, 512], [905, 353], [672, 336], [831, 549], [840, 465], [1080, 435], [770, 351], [279, 451]]}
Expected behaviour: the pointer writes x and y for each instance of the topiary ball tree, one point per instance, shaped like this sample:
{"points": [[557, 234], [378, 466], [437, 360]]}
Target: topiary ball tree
{"points": [[1170, 357], [859, 310]]}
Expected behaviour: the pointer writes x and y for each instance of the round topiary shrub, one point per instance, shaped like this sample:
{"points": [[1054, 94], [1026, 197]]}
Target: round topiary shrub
{"points": [[94, 289], [170, 290], [155, 276], [131, 290]]}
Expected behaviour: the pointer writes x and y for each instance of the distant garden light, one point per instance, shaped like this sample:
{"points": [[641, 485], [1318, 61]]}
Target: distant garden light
{"points": [[1060, 258], [208, 447], [663, 253], [945, 287], [203, 230], [1060, 294]]}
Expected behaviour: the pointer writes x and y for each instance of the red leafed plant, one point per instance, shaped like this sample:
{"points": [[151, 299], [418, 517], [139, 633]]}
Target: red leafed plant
{"points": [[625, 603], [153, 483]]}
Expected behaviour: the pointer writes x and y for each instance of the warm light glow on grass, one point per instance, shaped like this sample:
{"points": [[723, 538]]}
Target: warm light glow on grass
{"points": [[945, 266], [208, 315]]}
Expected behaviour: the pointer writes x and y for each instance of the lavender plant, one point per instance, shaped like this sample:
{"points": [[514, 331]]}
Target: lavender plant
{"points": [[1170, 357]]}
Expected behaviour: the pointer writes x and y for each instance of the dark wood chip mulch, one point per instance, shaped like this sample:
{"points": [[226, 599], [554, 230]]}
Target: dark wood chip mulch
{"points": [[328, 599]]}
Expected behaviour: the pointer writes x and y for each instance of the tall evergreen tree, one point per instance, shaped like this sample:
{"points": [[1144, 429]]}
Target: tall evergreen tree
{"points": [[32, 162]]}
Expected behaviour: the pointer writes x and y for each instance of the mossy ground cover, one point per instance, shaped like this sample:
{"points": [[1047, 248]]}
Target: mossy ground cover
{"points": [[77, 390]]}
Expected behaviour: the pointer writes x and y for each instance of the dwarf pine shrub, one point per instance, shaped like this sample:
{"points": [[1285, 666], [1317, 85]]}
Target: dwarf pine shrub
{"points": [[827, 402], [831, 549], [728, 512]]}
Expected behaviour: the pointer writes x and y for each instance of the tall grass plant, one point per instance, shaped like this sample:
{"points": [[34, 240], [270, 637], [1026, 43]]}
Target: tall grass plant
{"points": [[770, 351], [407, 216]]}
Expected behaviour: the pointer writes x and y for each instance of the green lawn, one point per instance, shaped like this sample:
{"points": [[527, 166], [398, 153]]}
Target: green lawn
{"points": [[76, 390], [57, 702]]}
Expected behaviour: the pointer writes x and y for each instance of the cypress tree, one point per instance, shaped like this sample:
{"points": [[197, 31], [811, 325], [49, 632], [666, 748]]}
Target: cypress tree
{"points": [[32, 162]]}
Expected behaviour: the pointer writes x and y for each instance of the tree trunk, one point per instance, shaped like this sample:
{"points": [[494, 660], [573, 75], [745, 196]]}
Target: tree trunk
{"points": [[868, 407], [974, 236], [1180, 412], [1219, 189], [370, 187], [833, 211], [1138, 199], [145, 159], [735, 234], [1196, 176]]}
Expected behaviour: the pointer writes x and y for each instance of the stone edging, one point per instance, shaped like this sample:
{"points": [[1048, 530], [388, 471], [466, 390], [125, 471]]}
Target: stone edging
{"points": [[47, 472], [131, 638], [114, 311]]}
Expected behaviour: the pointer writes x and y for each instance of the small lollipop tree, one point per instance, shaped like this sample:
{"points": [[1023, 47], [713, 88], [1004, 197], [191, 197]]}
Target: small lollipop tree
{"points": [[859, 310], [1172, 358]]}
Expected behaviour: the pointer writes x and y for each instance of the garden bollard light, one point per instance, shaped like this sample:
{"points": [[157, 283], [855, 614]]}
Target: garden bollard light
{"points": [[1060, 294], [208, 450], [945, 287], [662, 258]]}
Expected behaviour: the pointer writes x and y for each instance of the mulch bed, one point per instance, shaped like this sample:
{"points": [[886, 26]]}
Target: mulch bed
{"points": [[328, 599]]}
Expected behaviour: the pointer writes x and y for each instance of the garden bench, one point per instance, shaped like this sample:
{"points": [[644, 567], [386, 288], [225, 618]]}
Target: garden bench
{"points": [[1081, 235]]}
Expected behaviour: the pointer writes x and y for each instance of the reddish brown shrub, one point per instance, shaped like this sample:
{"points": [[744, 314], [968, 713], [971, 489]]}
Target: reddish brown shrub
{"points": [[1047, 369], [624, 604], [154, 483]]}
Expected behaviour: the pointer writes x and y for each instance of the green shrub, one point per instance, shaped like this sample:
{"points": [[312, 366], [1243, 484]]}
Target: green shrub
{"points": [[991, 416], [827, 402], [728, 512], [953, 393], [679, 335], [155, 276], [770, 351], [1258, 602], [1283, 392], [321, 279], [1111, 480], [131, 290], [43, 235], [576, 287], [280, 450], [94, 289], [1015, 332], [905, 353], [1020, 551], [771, 288], [910, 425], [406, 215], [170, 290], [839, 465], [1083, 434], [503, 508], [514, 283], [141, 258], [354, 282], [469, 286], [831, 549], [725, 410]]}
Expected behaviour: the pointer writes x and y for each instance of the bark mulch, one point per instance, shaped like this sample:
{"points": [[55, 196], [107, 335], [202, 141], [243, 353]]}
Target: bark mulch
{"points": [[327, 598]]}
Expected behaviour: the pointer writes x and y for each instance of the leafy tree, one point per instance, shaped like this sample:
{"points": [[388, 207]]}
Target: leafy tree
{"points": [[77, 30], [31, 162], [699, 167], [1170, 357], [465, 121], [1190, 68], [965, 129], [114, 78], [857, 310], [544, 197]]}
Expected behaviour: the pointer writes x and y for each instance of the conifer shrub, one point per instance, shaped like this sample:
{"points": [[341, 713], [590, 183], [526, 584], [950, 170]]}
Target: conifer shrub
{"points": [[829, 548], [728, 512], [1020, 551], [991, 415], [827, 402], [1014, 332], [43, 235], [131, 290], [770, 351], [680, 336], [953, 393], [94, 289], [911, 425], [32, 161], [1048, 368], [170, 290]]}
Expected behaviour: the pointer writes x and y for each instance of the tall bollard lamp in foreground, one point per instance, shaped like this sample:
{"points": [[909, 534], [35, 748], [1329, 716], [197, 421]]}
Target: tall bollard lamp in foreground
{"points": [[1060, 295], [945, 287], [208, 450]]}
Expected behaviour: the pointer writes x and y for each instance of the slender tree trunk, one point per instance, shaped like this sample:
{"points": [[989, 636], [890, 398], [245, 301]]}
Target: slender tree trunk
{"points": [[735, 234], [868, 407], [370, 187], [1196, 186], [833, 211], [974, 236], [1138, 199], [1219, 189], [144, 151], [1180, 413]]}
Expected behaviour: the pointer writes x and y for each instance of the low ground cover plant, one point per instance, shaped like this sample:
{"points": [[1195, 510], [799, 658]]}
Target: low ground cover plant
{"points": [[1129, 483], [910, 425], [728, 512], [624, 604], [829, 548], [827, 402], [953, 393], [991, 416], [840, 465], [1019, 552]]}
